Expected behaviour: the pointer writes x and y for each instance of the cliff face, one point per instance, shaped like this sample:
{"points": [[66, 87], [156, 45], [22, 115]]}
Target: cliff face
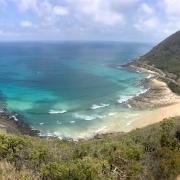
{"points": [[165, 56]]}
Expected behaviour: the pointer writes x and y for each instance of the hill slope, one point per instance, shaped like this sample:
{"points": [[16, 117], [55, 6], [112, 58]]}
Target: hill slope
{"points": [[166, 57], [149, 153]]}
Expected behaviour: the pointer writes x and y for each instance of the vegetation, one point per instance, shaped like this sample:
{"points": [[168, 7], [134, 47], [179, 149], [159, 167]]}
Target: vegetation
{"points": [[149, 153], [174, 87], [166, 56]]}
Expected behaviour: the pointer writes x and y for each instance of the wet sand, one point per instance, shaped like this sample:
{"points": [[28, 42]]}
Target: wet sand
{"points": [[158, 103], [153, 116]]}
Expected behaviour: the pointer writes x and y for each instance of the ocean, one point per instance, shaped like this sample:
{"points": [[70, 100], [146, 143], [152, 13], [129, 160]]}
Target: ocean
{"points": [[68, 89]]}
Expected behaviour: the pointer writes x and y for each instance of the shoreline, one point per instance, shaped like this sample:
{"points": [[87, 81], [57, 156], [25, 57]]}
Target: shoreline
{"points": [[13, 123], [152, 106], [158, 103], [143, 114], [158, 95]]}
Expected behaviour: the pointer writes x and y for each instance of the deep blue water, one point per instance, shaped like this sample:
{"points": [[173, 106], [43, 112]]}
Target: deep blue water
{"points": [[68, 87]]}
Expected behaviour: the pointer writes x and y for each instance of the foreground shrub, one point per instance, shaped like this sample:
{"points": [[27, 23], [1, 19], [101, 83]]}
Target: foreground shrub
{"points": [[54, 171], [90, 168], [9, 172], [87, 168], [169, 165], [148, 153]]}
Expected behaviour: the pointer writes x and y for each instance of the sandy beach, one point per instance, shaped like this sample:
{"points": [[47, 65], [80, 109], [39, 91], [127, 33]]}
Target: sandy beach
{"points": [[153, 116], [166, 102], [153, 106], [157, 103], [158, 95]]}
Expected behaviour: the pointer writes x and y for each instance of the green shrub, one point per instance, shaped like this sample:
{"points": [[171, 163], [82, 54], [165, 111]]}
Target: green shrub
{"points": [[38, 156], [89, 168], [174, 87], [135, 171], [152, 152], [169, 166], [54, 171], [167, 125], [14, 149]]}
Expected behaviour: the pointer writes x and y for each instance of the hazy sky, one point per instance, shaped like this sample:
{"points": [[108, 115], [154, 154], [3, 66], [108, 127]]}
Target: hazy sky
{"points": [[121, 20]]}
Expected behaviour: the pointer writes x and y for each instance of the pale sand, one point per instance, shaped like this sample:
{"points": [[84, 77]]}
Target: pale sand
{"points": [[171, 106], [150, 117], [158, 95], [166, 103], [124, 121], [155, 115]]}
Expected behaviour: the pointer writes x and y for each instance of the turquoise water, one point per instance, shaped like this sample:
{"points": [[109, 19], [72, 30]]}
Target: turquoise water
{"points": [[67, 88]]}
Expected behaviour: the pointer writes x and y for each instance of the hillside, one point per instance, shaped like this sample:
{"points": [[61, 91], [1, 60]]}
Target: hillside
{"points": [[164, 59], [149, 153], [166, 56]]}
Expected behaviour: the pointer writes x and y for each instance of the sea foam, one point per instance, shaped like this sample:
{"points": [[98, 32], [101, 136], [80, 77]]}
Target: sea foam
{"points": [[142, 91], [112, 114], [52, 111], [123, 99], [72, 122], [84, 117], [96, 106], [14, 117]]}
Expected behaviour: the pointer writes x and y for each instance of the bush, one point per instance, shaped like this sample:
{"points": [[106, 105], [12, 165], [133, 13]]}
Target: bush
{"points": [[54, 171], [167, 125], [174, 87], [9, 172], [178, 134], [86, 168], [90, 168], [169, 163], [14, 149], [151, 152], [38, 156], [135, 171]]}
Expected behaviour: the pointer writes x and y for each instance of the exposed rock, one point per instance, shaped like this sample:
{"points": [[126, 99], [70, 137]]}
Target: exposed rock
{"points": [[158, 95]]}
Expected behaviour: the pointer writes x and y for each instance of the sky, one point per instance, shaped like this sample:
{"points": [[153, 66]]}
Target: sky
{"points": [[92, 20]]}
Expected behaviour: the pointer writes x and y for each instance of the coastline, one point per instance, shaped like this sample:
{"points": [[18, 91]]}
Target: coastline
{"points": [[152, 106], [158, 95], [12, 123], [162, 103], [158, 103], [150, 117]]}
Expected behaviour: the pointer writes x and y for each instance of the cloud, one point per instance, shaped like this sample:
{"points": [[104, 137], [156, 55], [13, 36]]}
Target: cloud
{"points": [[147, 24], [146, 19], [96, 11], [8, 34], [172, 7], [91, 18], [2, 2], [60, 11], [146, 9], [25, 5], [26, 24], [171, 13]]}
